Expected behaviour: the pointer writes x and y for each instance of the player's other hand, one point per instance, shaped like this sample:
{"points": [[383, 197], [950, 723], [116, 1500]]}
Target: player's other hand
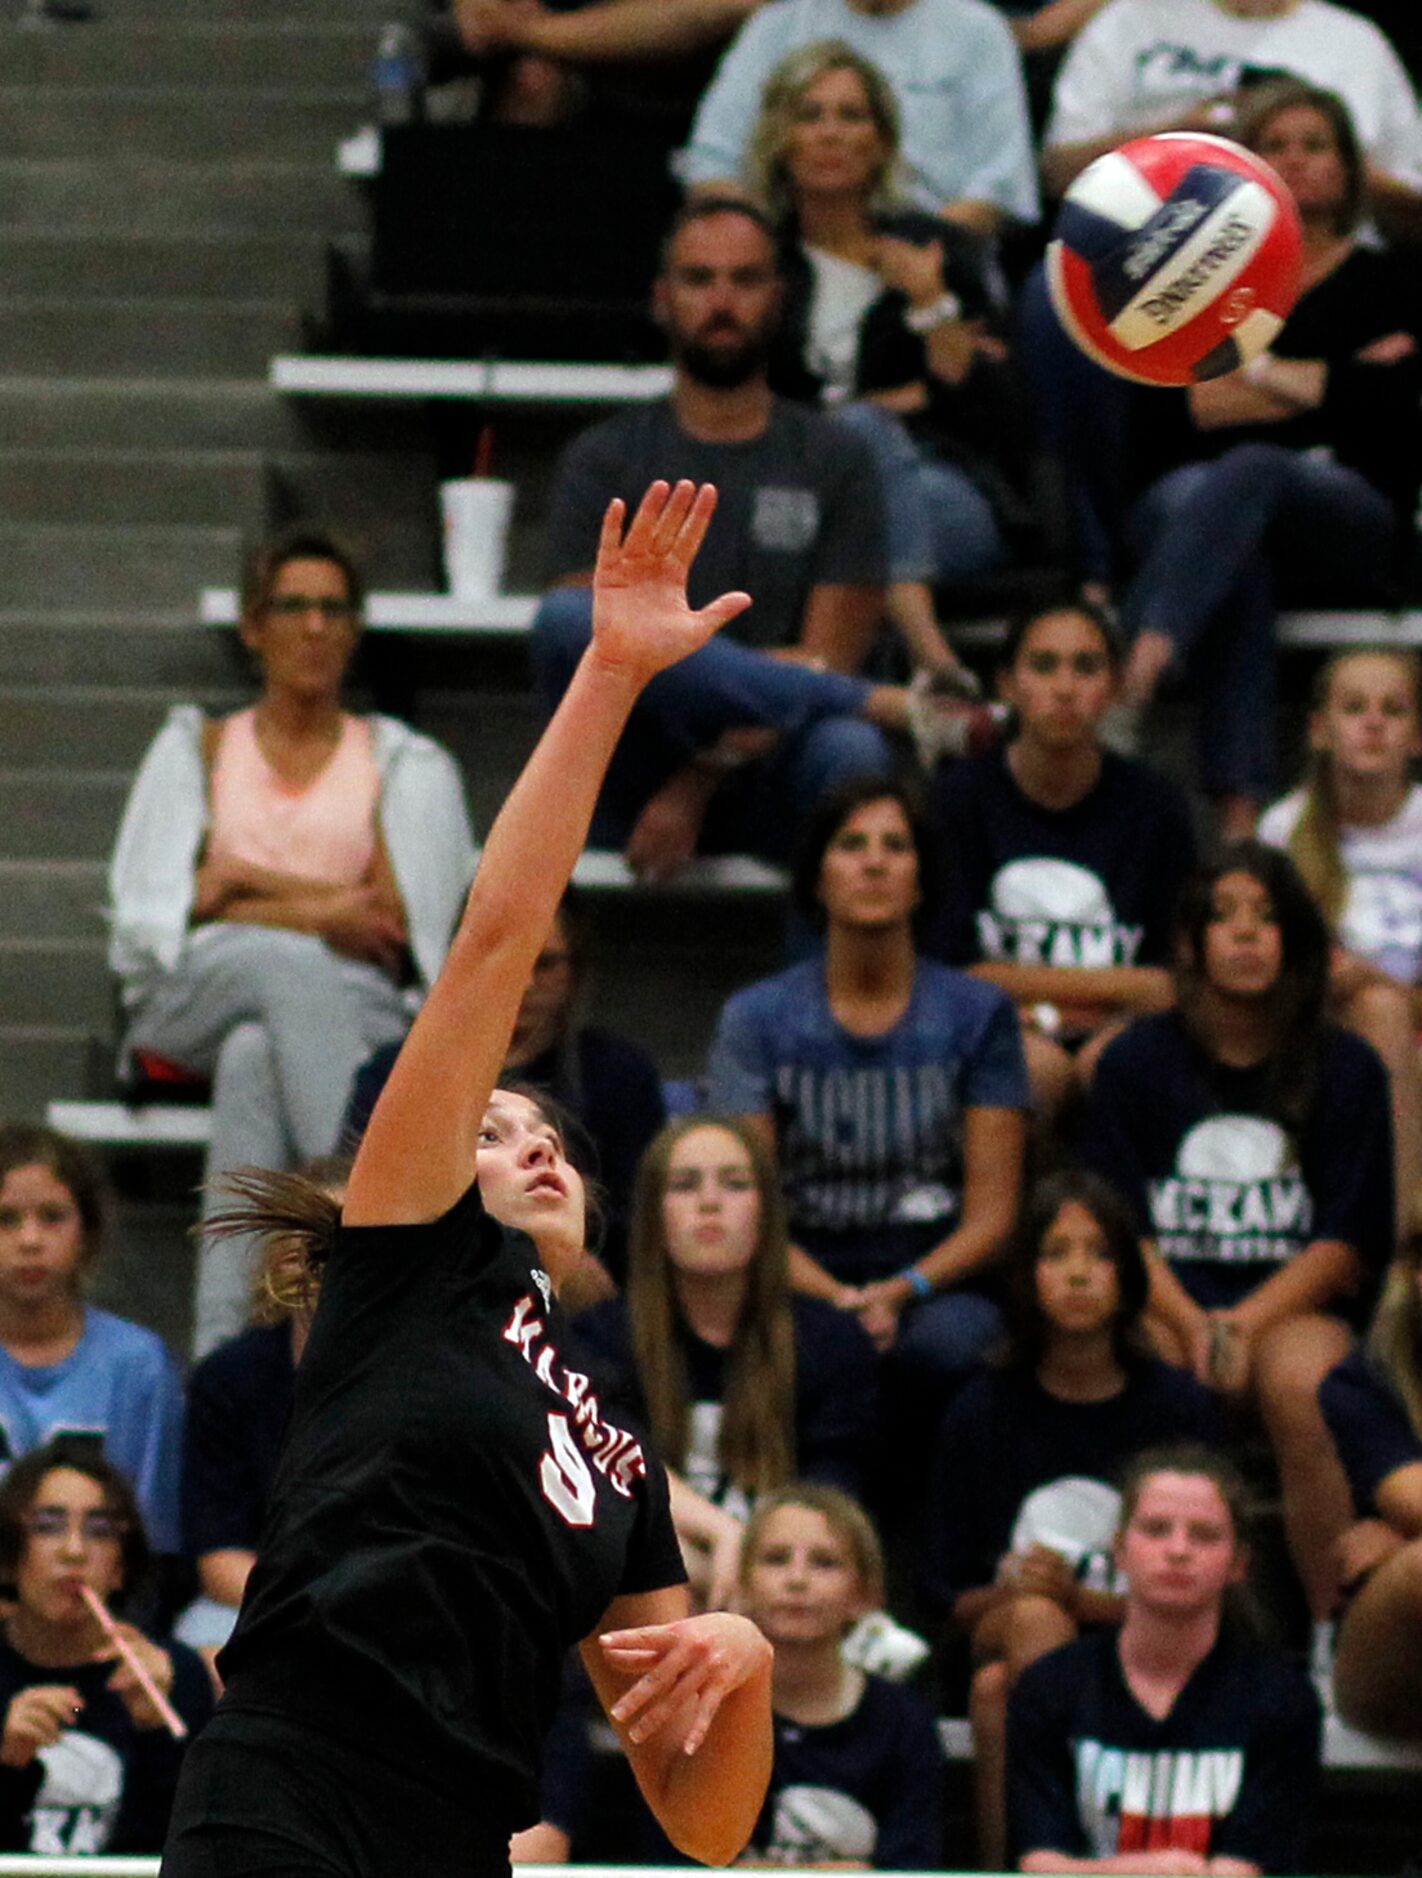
{"points": [[684, 1671], [642, 621]]}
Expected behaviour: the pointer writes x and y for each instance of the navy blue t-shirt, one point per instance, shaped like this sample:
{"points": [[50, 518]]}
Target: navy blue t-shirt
{"points": [[1228, 1193], [1230, 1772], [835, 1393], [1369, 1427], [869, 1129], [1017, 1466], [867, 1789], [239, 1403], [1090, 885]]}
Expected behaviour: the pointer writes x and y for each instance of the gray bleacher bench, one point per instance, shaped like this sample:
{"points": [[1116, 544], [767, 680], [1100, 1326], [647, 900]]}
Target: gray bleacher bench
{"points": [[490, 381], [512, 614]]}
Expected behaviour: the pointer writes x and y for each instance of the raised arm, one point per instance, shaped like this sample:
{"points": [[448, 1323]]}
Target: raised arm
{"points": [[417, 1155]]}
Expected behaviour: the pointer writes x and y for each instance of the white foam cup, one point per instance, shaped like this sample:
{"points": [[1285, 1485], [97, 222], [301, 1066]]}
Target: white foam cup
{"points": [[475, 511]]}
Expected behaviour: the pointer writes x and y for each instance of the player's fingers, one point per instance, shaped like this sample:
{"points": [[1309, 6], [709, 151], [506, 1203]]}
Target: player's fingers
{"points": [[679, 505], [717, 613], [642, 527], [695, 523]]}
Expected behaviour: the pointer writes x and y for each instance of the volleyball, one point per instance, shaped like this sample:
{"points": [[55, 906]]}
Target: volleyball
{"points": [[1175, 258]]}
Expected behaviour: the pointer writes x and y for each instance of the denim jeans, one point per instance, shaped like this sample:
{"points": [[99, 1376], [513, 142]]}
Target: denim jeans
{"points": [[723, 686], [939, 524], [1214, 540]]}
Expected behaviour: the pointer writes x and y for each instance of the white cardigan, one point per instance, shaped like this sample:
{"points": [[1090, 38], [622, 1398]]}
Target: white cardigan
{"points": [[152, 876]]}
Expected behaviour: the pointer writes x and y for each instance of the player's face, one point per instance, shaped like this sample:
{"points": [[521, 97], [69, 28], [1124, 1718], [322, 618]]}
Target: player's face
{"points": [[801, 1582], [719, 298], [71, 1539], [869, 874], [1062, 681], [1179, 1549], [306, 631], [1244, 948], [41, 1238], [834, 146], [527, 1181], [1078, 1289], [710, 1205], [1368, 723]]}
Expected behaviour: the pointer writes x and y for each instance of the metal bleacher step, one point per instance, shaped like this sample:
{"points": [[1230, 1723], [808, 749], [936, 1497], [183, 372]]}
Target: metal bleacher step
{"points": [[48, 899], [52, 813], [109, 567], [182, 123], [85, 264], [149, 195], [163, 336], [57, 981], [179, 49], [99, 485], [85, 727]]}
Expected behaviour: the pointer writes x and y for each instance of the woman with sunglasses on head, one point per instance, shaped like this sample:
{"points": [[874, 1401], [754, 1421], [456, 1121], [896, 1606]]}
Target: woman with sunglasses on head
{"points": [[282, 891], [454, 1509], [87, 1761]]}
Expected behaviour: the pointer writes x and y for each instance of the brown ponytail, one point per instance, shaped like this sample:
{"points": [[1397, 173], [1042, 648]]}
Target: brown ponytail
{"points": [[295, 1217]]}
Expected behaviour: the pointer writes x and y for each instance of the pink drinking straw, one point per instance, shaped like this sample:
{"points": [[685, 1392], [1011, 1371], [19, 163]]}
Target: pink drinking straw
{"points": [[172, 1720]]}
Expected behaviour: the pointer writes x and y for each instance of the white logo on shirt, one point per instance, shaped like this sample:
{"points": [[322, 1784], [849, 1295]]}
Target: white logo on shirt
{"points": [[1237, 1195], [1046, 911]]}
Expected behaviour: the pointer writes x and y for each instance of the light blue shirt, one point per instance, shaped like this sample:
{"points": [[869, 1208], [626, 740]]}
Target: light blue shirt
{"points": [[954, 68], [120, 1384]]}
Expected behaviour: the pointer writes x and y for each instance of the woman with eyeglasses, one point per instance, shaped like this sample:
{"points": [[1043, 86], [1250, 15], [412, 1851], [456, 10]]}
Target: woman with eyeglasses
{"points": [[283, 890], [87, 1762]]}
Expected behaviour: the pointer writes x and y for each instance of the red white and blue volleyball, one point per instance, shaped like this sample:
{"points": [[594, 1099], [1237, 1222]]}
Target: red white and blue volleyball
{"points": [[1175, 258]]}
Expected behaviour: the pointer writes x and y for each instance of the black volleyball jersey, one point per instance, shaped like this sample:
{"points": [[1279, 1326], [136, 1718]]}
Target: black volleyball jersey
{"points": [[453, 1510]]}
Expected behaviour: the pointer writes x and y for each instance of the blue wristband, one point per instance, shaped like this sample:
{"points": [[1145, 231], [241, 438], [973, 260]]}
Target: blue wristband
{"points": [[920, 1286]]}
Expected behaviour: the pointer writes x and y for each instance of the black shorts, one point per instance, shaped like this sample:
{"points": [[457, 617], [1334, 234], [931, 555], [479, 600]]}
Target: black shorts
{"points": [[262, 1797]]}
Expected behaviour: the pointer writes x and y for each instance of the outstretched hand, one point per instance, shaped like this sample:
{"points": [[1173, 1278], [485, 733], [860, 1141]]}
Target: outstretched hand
{"points": [[642, 621], [684, 1671]]}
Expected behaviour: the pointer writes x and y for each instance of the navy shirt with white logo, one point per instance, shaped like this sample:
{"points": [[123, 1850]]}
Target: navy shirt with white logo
{"points": [[1230, 1772], [1227, 1191], [1090, 885]]}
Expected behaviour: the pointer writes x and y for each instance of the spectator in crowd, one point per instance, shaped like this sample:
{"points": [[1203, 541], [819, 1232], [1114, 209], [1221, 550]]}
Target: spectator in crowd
{"points": [[731, 748], [891, 1089], [743, 1383], [608, 1084], [86, 1762], [1254, 1143], [857, 1782], [1372, 1403], [1303, 467], [283, 888], [1175, 1744], [1129, 74], [895, 318], [66, 1367], [1354, 830], [1063, 860], [967, 148], [239, 1401], [1024, 1503]]}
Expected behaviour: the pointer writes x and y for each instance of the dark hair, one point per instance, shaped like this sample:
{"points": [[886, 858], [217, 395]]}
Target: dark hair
{"points": [[1028, 1331], [1263, 103], [1022, 623], [1190, 1457], [30, 1144], [834, 809], [702, 209], [20, 1487], [1297, 998], [302, 542], [286, 1284]]}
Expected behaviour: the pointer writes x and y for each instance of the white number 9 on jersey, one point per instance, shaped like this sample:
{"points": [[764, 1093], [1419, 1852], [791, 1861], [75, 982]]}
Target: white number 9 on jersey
{"points": [[565, 1476]]}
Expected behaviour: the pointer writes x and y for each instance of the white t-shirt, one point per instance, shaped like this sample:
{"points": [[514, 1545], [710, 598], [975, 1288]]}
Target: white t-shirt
{"points": [[1382, 916], [1139, 61], [956, 75], [843, 293]]}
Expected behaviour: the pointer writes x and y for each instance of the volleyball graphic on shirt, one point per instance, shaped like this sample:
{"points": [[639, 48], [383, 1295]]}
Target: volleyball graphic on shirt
{"points": [[1175, 258], [1236, 1195], [810, 1825], [1046, 911], [1076, 1517]]}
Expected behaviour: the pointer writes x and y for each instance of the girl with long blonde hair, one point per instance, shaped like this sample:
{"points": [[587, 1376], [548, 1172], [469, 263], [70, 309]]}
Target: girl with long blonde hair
{"points": [[1354, 831]]}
